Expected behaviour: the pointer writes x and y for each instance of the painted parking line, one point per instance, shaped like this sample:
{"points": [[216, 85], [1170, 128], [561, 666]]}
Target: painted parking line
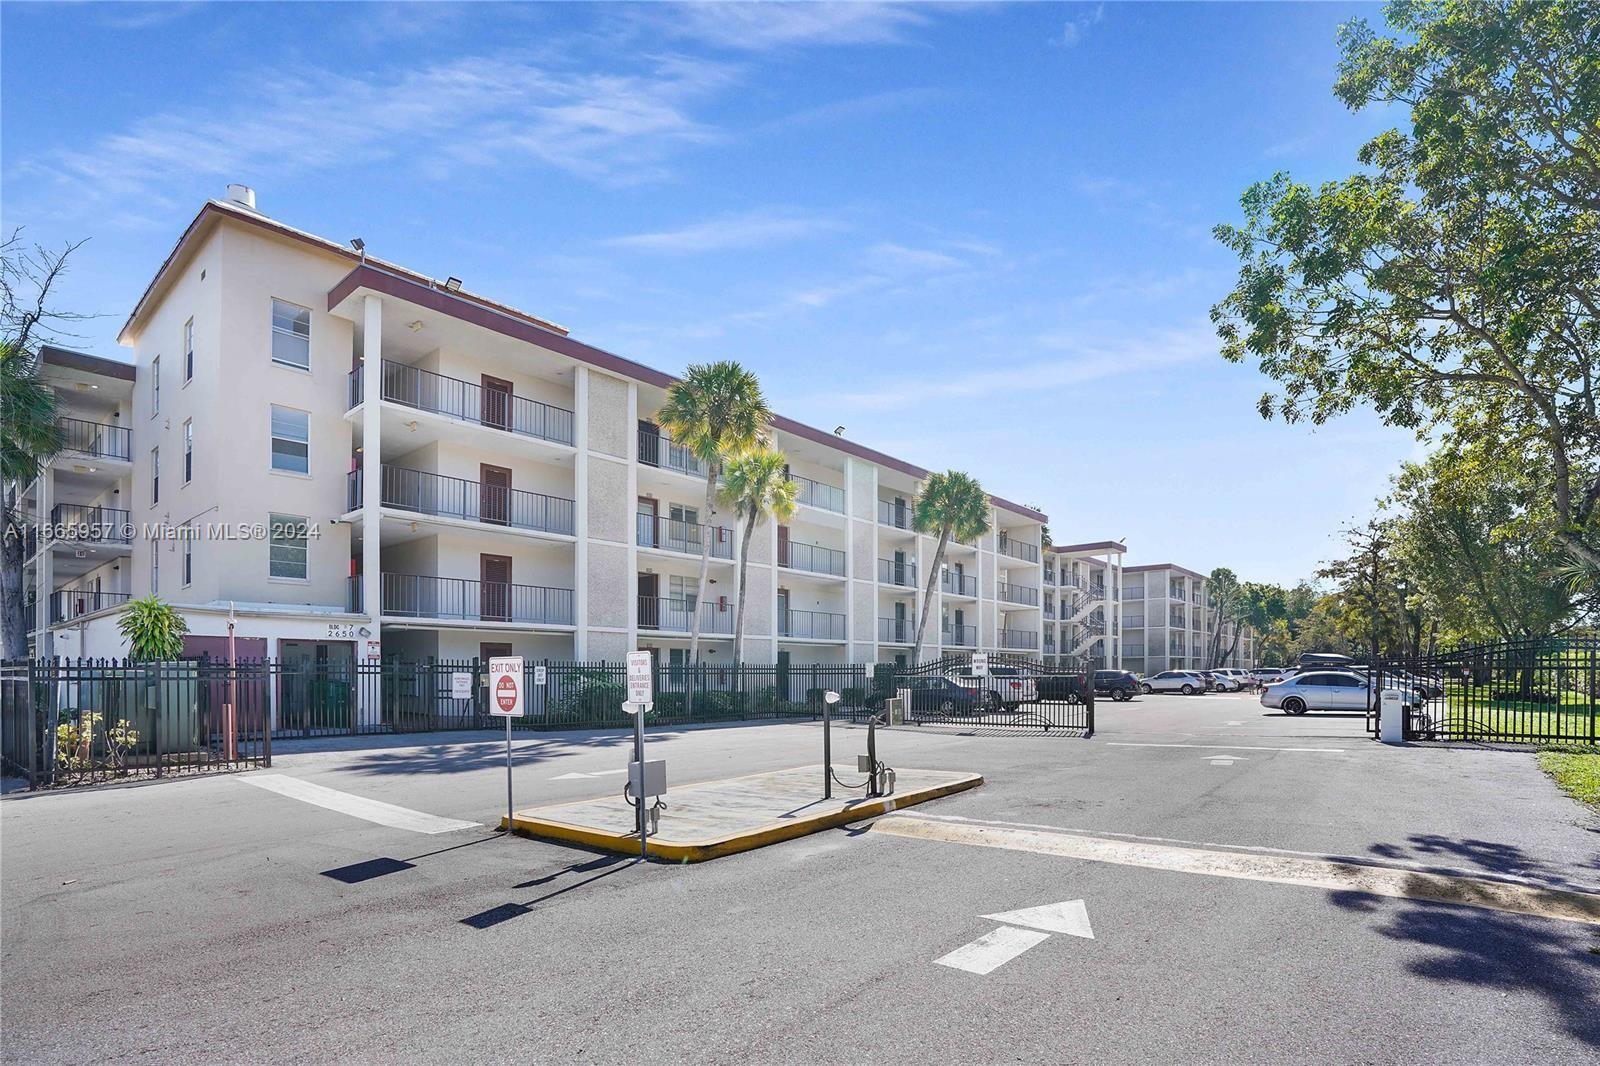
{"points": [[1230, 747], [369, 810], [1332, 875]]}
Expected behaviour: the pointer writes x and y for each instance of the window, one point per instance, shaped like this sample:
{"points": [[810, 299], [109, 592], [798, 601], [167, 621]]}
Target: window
{"points": [[685, 590], [155, 476], [155, 386], [291, 335], [291, 440], [188, 350], [288, 551], [188, 557], [188, 452], [155, 569]]}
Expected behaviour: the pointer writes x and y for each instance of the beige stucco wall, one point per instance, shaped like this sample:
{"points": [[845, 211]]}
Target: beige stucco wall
{"points": [[611, 587], [608, 415], [610, 510]]}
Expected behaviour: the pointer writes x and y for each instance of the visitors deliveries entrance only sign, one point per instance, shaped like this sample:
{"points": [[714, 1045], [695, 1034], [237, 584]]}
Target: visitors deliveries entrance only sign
{"points": [[641, 679], [505, 687]]}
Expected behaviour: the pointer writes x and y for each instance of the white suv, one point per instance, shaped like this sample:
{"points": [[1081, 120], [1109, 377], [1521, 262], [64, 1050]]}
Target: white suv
{"points": [[1187, 682]]}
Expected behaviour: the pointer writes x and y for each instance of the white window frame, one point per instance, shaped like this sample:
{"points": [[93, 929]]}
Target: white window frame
{"points": [[188, 351], [279, 331], [275, 522], [188, 558], [155, 476], [155, 386], [188, 450], [273, 438]]}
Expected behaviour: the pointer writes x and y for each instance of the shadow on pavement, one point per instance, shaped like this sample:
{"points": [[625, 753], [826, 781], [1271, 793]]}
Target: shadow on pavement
{"points": [[1557, 960], [507, 911], [370, 869]]}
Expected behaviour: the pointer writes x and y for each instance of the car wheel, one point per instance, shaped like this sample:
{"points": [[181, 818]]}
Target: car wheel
{"points": [[1294, 705], [1187, 690], [947, 707], [991, 701], [1120, 695], [1146, 689]]}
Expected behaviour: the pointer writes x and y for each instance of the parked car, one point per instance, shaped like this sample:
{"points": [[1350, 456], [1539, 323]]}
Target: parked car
{"points": [[1430, 687], [1187, 682], [1241, 676], [936, 695], [1224, 681], [1265, 675], [1059, 688], [1326, 690], [1005, 686], [1120, 685]]}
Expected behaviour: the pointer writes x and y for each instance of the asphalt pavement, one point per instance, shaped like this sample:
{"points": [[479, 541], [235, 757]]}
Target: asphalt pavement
{"points": [[219, 920]]}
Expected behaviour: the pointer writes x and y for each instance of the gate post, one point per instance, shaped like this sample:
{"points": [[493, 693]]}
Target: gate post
{"points": [[1088, 701]]}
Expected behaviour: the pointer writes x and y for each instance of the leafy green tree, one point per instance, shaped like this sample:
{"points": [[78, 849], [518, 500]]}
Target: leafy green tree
{"points": [[951, 504], [1226, 594], [756, 485], [718, 413], [30, 436], [153, 629], [1456, 281]]}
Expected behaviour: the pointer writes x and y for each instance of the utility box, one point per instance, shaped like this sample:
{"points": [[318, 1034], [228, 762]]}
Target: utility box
{"points": [[1392, 717], [652, 783]]}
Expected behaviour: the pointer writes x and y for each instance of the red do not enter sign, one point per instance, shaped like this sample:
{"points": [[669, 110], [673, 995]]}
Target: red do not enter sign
{"points": [[505, 694], [505, 686]]}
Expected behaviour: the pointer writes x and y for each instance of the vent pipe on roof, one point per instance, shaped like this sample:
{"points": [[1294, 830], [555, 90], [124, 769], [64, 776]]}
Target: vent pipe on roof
{"points": [[243, 195]]}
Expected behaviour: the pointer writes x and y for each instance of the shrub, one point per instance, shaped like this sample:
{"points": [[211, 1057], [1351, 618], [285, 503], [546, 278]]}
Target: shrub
{"points": [[155, 630]]}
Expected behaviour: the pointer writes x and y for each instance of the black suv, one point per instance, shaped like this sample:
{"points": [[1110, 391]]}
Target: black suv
{"points": [[1120, 685]]}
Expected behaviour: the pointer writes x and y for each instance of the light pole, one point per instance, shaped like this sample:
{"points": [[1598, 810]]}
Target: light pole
{"points": [[829, 698]]}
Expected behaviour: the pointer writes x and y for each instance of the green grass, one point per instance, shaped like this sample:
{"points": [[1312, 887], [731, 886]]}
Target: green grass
{"points": [[1576, 768], [1470, 714]]}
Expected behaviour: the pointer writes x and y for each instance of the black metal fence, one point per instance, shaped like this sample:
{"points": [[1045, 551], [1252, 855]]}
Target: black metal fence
{"points": [[1014, 694], [1533, 691]]}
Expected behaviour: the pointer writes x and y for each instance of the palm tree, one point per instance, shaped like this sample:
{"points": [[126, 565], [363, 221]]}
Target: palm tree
{"points": [[31, 437], [951, 504], [718, 413], [756, 484]]}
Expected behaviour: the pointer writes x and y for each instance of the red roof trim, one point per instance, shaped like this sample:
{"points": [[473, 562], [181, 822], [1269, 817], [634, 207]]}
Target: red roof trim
{"points": [[447, 303], [1163, 566]]}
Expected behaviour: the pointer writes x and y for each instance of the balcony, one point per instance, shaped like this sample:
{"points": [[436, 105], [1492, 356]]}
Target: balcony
{"points": [[657, 449], [810, 625], [95, 440], [667, 534], [896, 630], [816, 494], [426, 493], [677, 616], [68, 604], [893, 515], [1018, 594], [811, 558], [1021, 639], [959, 636], [84, 524], [465, 600], [901, 573], [1017, 549], [958, 584], [463, 401]]}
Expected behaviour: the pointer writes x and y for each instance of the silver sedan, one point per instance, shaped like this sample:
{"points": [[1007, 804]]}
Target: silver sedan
{"points": [[1322, 690]]}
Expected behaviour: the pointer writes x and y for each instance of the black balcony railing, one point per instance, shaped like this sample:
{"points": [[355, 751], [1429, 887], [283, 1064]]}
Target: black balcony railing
{"points": [[812, 558], [960, 636], [815, 493], [90, 524], [958, 584], [354, 388], [462, 599], [811, 625], [97, 440], [657, 449], [68, 604], [1018, 549], [901, 572], [670, 535], [470, 501], [1025, 595], [424, 390], [896, 630], [1024, 639], [895, 515], [677, 616], [353, 598]]}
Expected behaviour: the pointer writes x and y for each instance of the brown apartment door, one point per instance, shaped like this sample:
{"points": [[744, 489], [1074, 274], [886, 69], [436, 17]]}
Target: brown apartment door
{"points": [[783, 545], [649, 443], [494, 494], [496, 402], [494, 584], [649, 605]]}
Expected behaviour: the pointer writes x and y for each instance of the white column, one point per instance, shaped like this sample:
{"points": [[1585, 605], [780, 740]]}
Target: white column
{"points": [[44, 569], [631, 588], [371, 460], [580, 494]]}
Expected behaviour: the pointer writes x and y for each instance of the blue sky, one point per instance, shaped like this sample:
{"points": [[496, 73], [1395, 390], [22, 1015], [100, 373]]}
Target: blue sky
{"points": [[976, 236]]}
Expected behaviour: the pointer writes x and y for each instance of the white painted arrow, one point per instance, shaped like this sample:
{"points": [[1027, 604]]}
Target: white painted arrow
{"points": [[994, 949], [574, 776]]}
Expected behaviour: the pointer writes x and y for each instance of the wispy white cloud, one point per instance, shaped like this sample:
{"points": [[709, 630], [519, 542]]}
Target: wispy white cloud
{"points": [[476, 111], [761, 26], [757, 229], [1079, 361], [1072, 32], [859, 107], [142, 16]]}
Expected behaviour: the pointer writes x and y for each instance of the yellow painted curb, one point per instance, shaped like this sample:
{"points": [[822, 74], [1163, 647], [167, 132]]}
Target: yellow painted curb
{"points": [[716, 847]]}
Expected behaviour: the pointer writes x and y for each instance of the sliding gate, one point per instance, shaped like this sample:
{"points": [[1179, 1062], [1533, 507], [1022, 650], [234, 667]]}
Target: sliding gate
{"points": [[1015, 695]]}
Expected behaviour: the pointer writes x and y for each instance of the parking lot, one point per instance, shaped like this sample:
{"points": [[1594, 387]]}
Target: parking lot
{"points": [[1218, 883]]}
